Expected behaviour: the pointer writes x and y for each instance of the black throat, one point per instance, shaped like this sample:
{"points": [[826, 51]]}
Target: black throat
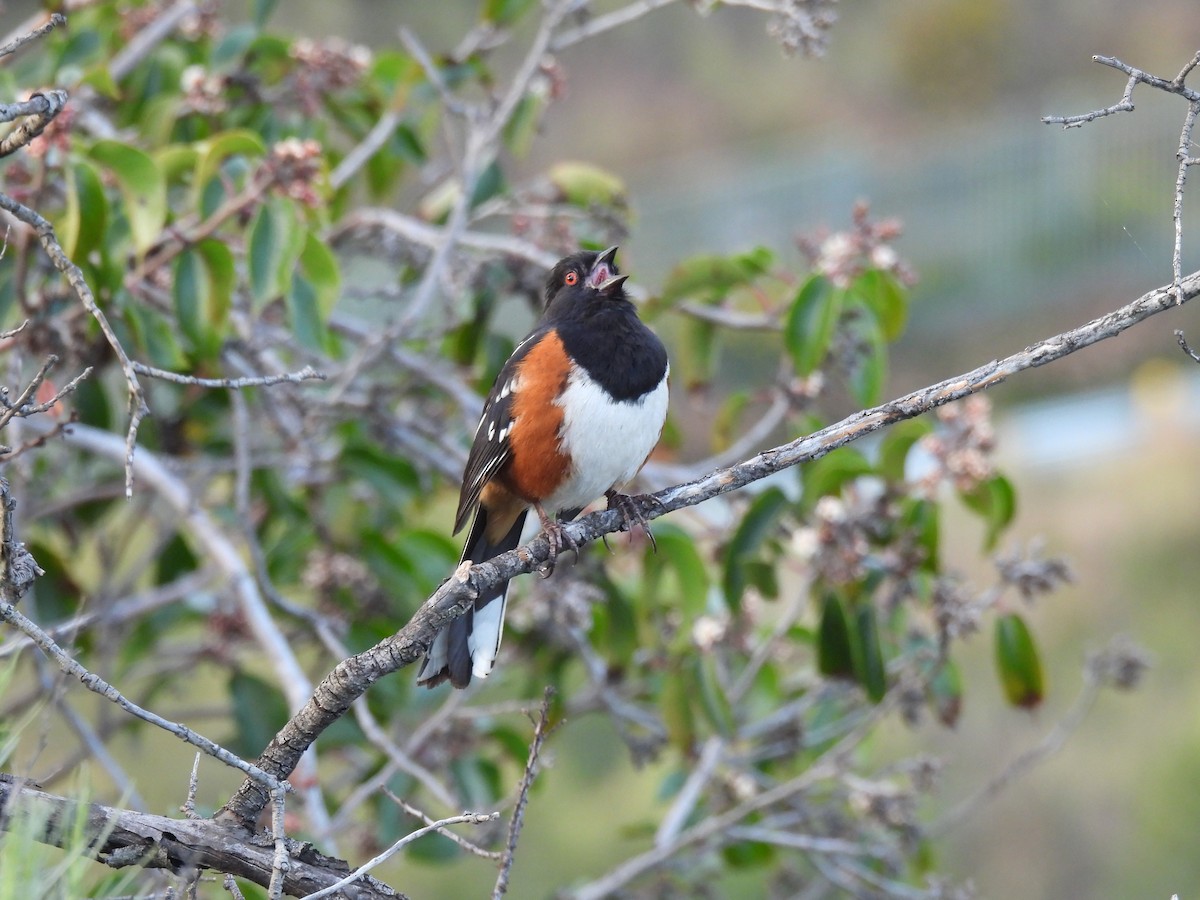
{"points": [[607, 339]]}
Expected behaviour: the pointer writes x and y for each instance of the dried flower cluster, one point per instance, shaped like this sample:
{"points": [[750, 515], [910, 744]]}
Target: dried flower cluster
{"points": [[963, 444], [802, 26], [841, 256]]}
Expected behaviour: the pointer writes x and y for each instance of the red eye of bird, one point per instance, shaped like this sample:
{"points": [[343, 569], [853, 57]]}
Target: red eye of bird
{"points": [[571, 278]]}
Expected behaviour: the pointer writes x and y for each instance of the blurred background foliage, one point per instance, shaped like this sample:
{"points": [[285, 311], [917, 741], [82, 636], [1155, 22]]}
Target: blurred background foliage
{"points": [[199, 191]]}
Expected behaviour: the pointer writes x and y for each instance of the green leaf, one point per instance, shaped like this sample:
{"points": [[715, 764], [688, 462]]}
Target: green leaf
{"points": [[677, 552], [748, 854], [868, 652], [502, 13], [1018, 663], [995, 501], [189, 290], [522, 128], [834, 656], [276, 240], [582, 184], [756, 525], [222, 280], [82, 226], [811, 323], [142, 186], [213, 152], [827, 475], [259, 711], [725, 425], [886, 298], [869, 372], [675, 703], [896, 444], [304, 312], [711, 277], [320, 267], [490, 183], [697, 356], [714, 701]]}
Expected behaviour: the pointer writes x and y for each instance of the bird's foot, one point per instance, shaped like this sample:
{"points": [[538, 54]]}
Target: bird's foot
{"points": [[631, 510], [557, 537]]}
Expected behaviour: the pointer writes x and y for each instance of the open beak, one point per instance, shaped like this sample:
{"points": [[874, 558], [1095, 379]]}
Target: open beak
{"points": [[603, 276]]}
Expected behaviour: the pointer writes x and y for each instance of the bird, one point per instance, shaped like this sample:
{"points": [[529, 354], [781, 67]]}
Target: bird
{"points": [[573, 415]]}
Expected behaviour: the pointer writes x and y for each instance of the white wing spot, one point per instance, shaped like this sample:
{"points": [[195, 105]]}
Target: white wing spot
{"points": [[491, 433]]}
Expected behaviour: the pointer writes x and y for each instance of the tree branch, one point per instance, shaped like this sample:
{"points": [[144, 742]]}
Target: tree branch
{"points": [[350, 678], [124, 838]]}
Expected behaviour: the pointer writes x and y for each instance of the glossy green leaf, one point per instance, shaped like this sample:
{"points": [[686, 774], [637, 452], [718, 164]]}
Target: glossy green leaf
{"points": [[868, 652], [834, 655], [304, 312], [222, 280], [696, 359], [995, 501], [189, 290], [748, 854], [142, 186], [714, 700], [276, 240], [757, 524], [868, 373], [586, 185], [489, 184], [676, 706], [886, 298], [895, 447], [726, 425], [826, 475], [320, 267], [212, 154], [811, 322], [503, 13], [85, 219], [677, 553], [1017, 662], [711, 277]]}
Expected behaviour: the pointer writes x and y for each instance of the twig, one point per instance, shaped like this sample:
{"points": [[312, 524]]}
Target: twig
{"points": [[826, 766], [518, 817], [689, 795], [1186, 160], [279, 865], [1186, 347], [139, 46], [1049, 745], [189, 805], [469, 846], [93, 682], [606, 22], [305, 374], [41, 109], [137, 397], [16, 44], [468, 818]]}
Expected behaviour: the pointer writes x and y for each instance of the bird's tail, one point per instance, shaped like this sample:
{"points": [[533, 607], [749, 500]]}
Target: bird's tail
{"points": [[468, 645]]}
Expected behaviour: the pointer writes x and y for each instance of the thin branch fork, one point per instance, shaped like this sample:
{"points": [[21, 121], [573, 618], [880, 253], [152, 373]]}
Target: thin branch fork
{"points": [[350, 678]]}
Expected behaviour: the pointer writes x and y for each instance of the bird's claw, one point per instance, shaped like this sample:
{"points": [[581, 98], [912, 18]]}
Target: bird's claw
{"points": [[557, 538], [630, 508]]}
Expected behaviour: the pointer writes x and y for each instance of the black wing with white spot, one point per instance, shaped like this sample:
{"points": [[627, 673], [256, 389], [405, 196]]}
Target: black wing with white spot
{"points": [[491, 448]]}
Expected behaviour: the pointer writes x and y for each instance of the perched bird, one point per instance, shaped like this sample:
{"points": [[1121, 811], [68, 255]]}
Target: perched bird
{"points": [[574, 413]]}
